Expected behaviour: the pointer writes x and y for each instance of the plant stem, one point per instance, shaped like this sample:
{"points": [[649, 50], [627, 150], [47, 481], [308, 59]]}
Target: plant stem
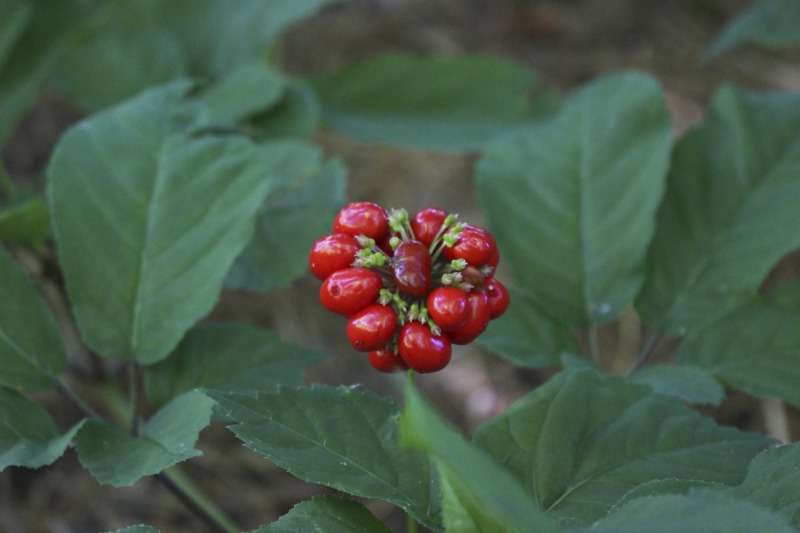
{"points": [[7, 186], [647, 350], [411, 526], [72, 396], [594, 345], [197, 502]]}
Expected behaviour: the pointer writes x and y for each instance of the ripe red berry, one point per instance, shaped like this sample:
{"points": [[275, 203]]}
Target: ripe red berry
{"points": [[411, 268], [421, 350], [386, 360], [331, 253], [426, 224], [362, 218], [372, 327], [498, 297], [477, 319], [350, 289], [447, 306], [474, 245]]}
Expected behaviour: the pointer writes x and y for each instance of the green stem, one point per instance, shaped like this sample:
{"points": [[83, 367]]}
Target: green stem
{"points": [[7, 186], [594, 345], [647, 350], [72, 396], [411, 526], [134, 380], [183, 489]]}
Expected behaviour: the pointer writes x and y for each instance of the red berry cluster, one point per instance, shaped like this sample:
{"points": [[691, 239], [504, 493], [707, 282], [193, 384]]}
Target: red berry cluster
{"points": [[410, 286]]}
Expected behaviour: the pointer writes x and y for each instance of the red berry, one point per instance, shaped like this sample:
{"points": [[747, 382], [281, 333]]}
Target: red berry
{"points": [[447, 306], [372, 327], [474, 245], [421, 350], [350, 289], [386, 360], [362, 218], [411, 266], [426, 224], [498, 297], [332, 253], [477, 319]]}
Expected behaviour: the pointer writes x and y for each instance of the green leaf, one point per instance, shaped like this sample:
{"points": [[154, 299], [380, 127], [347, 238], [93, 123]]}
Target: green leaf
{"points": [[528, 336], [755, 348], [441, 103], [339, 437], [582, 441], [298, 114], [14, 18], [729, 213], [115, 457], [773, 481], [141, 528], [478, 493], [572, 202], [329, 514], [690, 383], [28, 435], [772, 23], [698, 512], [249, 89], [149, 216], [227, 357], [31, 351], [24, 220], [290, 221]]}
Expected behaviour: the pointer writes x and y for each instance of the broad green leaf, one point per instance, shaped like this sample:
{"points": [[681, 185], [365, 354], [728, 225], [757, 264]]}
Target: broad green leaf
{"points": [[28, 435], [478, 493], [690, 383], [698, 512], [330, 514], [299, 213], [227, 357], [148, 217], [339, 437], [440, 103], [583, 440], [118, 52], [528, 336], [24, 220], [297, 115], [572, 202], [14, 17], [772, 23], [773, 481], [249, 89], [755, 348], [141, 528], [729, 213], [116, 457], [31, 351]]}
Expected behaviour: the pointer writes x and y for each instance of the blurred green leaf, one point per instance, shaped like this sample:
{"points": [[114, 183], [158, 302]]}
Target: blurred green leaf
{"points": [[230, 358], [730, 212], [572, 202], [14, 18], [149, 215], [28, 435], [330, 514], [772, 23], [755, 348], [440, 103], [773, 481], [698, 512], [141, 528], [583, 440], [31, 351], [528, 336], [115, 457], [339, 437], [298, 114], [690, 383], [296, 215], [248, 90], [478, 493], [24, 220]]}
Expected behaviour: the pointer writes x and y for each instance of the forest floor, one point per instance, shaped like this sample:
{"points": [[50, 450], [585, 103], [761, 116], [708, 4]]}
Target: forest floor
{"points": [[568, 43]]}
